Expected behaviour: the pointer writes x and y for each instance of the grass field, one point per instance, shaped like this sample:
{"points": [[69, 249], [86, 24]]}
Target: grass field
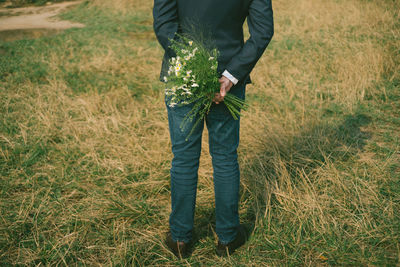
{"points": [[85, 151]]}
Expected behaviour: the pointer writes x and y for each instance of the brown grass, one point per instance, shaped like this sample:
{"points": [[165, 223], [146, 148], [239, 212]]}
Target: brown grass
{"points": [[125, 6]]}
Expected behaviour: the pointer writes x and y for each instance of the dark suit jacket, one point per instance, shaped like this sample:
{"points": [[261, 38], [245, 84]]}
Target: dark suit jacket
{"points": [[223, 19]]}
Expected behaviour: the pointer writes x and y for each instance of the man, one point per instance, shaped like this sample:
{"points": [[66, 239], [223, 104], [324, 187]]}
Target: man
{"points": [[224, 20]]}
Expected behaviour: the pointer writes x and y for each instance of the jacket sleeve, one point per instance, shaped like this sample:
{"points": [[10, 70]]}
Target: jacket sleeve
{"points": [[261, 29], [165, 15]]}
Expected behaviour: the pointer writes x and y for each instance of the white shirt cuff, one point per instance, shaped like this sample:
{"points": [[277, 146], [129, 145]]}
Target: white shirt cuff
{"points": [[230, 77]]}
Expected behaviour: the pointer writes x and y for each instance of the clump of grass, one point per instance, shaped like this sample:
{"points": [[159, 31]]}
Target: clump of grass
{"points": [[84, 145]]}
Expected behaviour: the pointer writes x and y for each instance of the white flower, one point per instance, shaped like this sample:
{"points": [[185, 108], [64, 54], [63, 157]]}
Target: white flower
{"points": [[187, 91], [211, 58], [165, 79], [178, 68], [172, 104], [195, 50], [170, 70], [190, 43], [195, 85], [169, 91]]}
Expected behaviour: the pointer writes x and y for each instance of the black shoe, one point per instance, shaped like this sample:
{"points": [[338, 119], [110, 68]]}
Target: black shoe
{"points": [[179, 248], [240, 239]]}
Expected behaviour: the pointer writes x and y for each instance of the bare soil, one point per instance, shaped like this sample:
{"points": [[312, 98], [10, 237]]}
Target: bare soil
{"points": [[33, 22]]}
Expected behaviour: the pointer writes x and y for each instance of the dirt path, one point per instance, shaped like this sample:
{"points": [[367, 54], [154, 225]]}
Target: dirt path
{"points": [[26, 18]]}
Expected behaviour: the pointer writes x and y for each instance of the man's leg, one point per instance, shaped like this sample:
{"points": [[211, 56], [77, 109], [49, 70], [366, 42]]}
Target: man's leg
{"points": [[184, 175], [224, 140]]}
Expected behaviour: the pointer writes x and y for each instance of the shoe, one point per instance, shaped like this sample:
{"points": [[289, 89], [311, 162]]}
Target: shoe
{"points": [[240, 239], [179, 248]]}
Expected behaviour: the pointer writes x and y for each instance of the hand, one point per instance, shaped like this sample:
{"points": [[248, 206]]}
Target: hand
{"points": [[225, 86]]}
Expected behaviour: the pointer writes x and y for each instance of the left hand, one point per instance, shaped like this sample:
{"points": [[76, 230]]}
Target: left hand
{"points": [[225, 86]]}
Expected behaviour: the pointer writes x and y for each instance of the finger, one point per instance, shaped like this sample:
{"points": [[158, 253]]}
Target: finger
{"points": [[223, 91], [217, 100], [216, 96]]}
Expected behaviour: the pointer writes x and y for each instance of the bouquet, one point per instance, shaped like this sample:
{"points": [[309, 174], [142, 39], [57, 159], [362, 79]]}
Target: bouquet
{"points": [[193, 79]]}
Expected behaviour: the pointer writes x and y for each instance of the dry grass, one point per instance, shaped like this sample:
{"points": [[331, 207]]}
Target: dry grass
{"points": [[85, 164], [124, 6]]}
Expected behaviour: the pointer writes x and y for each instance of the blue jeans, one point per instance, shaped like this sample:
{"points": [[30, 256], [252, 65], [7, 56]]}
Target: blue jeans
{"points": [[223, 142]]}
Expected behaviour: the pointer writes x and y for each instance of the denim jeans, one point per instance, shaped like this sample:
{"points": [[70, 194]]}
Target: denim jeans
{"points": [[223, 142]]}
